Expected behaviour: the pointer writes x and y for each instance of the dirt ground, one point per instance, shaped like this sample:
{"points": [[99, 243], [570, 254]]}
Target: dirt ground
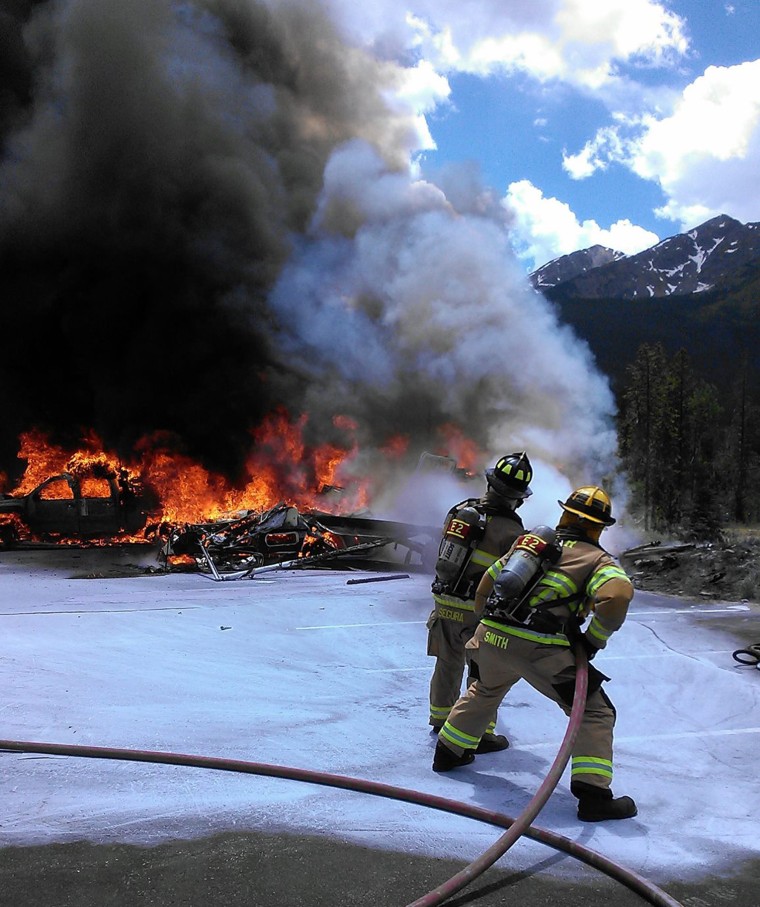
{"points": [[728, 570], [260, 870]]}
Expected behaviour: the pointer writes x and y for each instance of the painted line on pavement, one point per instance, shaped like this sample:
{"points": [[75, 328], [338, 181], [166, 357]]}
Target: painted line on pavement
{"points": [[732, 610], [631, 615], [668, 654], [101, 611], [386, 623], [683, 735]]}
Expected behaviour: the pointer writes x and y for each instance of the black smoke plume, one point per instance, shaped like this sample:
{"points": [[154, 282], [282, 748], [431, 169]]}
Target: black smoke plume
{"points": [[157, 160], [207, 211]]}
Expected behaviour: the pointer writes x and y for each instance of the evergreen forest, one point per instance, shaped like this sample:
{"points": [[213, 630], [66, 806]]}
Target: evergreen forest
{"points": [[690, 448]]}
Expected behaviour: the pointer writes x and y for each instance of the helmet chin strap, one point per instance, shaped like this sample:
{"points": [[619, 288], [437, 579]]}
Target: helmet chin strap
{"points": [[588, 528], [503, 499]]}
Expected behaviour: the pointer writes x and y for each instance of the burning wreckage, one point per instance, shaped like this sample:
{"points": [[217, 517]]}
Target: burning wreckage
{"points": [[250, 542], [244, 544], [99, 504]]}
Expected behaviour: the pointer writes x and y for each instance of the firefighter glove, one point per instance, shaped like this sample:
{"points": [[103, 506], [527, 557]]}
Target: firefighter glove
{"points": [[589, 648]]}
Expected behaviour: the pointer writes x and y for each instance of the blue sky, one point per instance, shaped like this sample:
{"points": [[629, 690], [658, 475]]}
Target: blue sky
{"points": [[620, 123]]}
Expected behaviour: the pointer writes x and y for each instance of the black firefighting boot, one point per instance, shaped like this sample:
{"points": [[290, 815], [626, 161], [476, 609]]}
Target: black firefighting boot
{"points": [[596, 804], [492, 743], [444, 759]]}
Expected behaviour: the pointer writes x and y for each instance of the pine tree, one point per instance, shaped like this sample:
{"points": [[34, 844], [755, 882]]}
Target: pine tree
{"points": [[667, 438]]}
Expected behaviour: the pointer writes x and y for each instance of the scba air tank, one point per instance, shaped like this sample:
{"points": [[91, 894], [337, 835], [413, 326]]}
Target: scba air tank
{"points": [[532, 551], [462, 533]]}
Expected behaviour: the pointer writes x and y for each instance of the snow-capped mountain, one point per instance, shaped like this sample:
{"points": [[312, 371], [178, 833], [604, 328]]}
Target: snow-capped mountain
{"points": [[716, 252], [567, 267]]}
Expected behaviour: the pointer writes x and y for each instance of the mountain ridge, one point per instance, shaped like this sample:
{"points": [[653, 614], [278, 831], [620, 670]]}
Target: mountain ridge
{"points": [[698, 291], [568, 267], [695, 261]]}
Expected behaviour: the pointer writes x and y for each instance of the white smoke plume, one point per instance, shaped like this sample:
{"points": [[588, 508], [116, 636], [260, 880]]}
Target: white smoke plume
{"points": [[412, 314], [210, 209]]}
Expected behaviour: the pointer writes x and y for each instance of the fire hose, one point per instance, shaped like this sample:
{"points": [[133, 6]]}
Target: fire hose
{"points": [[523, 821], [748, 656], [515, 827]]}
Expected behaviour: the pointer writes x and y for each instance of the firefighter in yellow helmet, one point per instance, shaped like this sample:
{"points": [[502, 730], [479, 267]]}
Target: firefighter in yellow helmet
{"points": [[476, 531], [530, 638]]}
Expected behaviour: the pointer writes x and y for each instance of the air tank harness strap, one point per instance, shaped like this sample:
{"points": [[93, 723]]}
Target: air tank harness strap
{"points": [[535, 617]]}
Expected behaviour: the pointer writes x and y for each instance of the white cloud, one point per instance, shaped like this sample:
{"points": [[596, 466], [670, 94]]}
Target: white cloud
{"points": [[623, 29], [420, 88], [545, 228], [576, 41], [595, 155], [704, 154]]}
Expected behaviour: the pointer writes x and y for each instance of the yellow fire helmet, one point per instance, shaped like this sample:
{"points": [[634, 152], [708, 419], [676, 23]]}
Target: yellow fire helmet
{"points": [[590, 502]]}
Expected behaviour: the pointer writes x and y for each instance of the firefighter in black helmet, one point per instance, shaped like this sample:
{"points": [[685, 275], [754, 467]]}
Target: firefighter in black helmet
{"points": [[476, 531], [531, 640], [510, 478]]}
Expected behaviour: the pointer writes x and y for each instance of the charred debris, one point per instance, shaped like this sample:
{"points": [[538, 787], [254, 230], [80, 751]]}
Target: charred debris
{"points": [[246, 544], [106, 508], [249, 543]]}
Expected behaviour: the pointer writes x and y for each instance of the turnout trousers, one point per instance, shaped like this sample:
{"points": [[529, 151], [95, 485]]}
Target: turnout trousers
{"points": [[449, 631], [500, 659]]}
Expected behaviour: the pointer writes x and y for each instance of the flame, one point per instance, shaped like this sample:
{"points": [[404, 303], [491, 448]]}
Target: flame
{"points": [[281, 468], [187, 491], [43, 460], [90, 464], [466, 452], [395, 447]]}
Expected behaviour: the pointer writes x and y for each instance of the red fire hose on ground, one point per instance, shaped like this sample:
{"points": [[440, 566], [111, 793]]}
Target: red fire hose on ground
{"points": [[516, 827]]}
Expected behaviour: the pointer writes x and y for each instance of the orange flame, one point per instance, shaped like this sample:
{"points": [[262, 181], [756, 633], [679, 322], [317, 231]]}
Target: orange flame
{"points": [[466, 452], [395, 447], [281, 467]]}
